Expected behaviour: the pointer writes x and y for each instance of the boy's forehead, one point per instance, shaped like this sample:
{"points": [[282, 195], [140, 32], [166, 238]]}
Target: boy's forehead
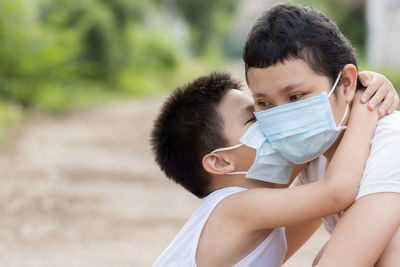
{"points": [[236, 97], [280, 78], [235, 103], [236, 109]]}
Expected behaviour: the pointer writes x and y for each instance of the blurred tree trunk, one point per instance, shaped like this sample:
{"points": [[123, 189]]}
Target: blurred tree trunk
{"points": [[383, 19]]}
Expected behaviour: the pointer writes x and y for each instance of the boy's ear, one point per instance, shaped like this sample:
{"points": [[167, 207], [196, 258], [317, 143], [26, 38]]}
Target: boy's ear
{"points": [[349, 81], [217, 164]]}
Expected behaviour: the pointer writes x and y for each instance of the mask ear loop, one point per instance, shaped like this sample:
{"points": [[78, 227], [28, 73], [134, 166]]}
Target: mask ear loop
{"points": [[344, 116], [347, 106], [229, 148], [236, 173], [335, 84]]}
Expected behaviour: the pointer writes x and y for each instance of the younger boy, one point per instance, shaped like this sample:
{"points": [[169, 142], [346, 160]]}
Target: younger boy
{"points": [[293, 54], [240, 220]]}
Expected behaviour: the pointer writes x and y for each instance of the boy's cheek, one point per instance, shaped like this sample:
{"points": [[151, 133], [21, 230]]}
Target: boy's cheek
{"points": [[246, 156]]}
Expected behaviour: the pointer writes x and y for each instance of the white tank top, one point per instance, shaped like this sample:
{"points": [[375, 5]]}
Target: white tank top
{"points": [[182, 251]]}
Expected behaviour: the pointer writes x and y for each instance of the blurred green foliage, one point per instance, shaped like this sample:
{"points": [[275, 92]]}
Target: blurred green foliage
{"points": [[57, 55], [61, 54], [209, 20]]}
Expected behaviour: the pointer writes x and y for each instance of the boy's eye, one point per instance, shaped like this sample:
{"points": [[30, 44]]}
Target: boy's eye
{"points": [[296, 97], [251, 119], [264, 104]]}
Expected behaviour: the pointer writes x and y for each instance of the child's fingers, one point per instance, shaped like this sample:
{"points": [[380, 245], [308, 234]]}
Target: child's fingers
{"points": [[387, 103], [379, 95], [379, 91], [368, 93], [371, 90], [365, 77]]}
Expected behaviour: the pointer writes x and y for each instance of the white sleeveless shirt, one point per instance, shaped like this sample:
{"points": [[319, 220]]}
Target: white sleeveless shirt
{"points": [[182, 251]]}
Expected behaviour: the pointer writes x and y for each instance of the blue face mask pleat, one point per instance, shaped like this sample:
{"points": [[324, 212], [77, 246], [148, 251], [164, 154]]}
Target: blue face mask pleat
{"points": [[254, 136], [285, 123], [269, 165]]}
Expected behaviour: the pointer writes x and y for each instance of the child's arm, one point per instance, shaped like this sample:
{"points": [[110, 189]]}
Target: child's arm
{"points": [[363, 232], [366, 228], [390, 257], [264, 208], [297, 235]]}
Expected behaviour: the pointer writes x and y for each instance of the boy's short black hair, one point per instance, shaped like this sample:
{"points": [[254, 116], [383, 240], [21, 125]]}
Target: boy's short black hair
{"points": [[291, 31], [188, 127]]}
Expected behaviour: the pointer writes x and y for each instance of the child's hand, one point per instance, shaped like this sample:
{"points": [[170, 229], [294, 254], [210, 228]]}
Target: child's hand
{"points": [[359, 103], [381, 90], [361, 117]]}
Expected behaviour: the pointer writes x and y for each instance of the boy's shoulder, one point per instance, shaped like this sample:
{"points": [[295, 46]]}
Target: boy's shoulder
{"points": [[389, 122], [381, 172], [182, 250], [386, 139]]}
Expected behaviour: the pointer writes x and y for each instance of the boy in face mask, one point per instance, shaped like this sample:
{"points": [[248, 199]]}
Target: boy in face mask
{"points": [[302, 73], [205, 137]]}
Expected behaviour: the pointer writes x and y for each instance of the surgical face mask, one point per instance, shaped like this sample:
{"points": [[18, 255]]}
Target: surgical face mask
{"points": [[269, 165], [303, 130]]}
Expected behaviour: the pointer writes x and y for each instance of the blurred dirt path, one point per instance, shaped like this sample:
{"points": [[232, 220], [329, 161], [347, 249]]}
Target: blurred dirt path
{"points": [[83, 190]]}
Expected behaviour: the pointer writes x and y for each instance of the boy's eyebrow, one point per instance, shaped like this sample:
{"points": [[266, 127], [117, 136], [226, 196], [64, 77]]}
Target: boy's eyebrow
{"points": [[285, 89], [250, 108], [259, 95], [292, 86]]}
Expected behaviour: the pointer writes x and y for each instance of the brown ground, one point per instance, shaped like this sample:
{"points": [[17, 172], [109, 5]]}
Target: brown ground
{"points": [[83, 190]]}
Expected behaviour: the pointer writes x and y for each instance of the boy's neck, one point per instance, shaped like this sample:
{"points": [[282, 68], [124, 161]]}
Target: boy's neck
{"points": [[331, 151], [240, 181]]}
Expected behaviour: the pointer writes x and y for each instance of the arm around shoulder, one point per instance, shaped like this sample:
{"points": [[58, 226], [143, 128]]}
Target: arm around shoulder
{"points": [[264, 208]]}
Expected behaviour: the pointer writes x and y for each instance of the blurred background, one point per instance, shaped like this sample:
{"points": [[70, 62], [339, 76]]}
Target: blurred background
{"points": [[80, 84]]}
